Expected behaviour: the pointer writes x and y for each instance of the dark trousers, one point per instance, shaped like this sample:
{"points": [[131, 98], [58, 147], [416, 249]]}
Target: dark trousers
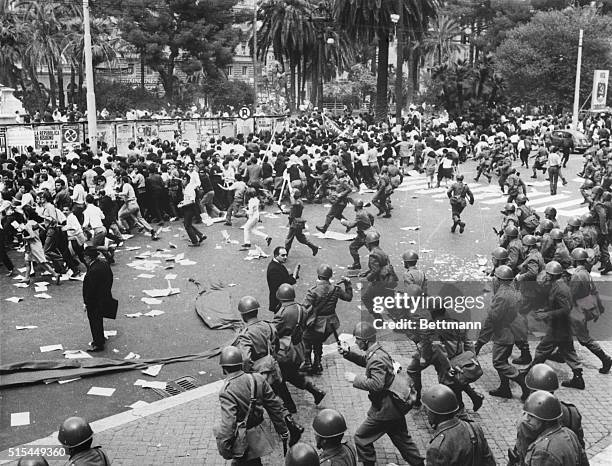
{"points": [[547, 346], [290, 374], [354, 248], [335, 211], [525, 157], [603, 243], [253, 462], [6, 260], [371, 430], [189, 213], [96, 325], [297, 233], [380, 202], [501, 354], [156, 205], [52, 250], [553, 175]]}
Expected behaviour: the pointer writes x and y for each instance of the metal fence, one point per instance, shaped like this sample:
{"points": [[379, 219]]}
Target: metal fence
{"points": [[60, 137]]}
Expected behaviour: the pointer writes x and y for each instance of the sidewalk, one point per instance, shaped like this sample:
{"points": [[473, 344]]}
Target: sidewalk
{"points": [[179, 430]]}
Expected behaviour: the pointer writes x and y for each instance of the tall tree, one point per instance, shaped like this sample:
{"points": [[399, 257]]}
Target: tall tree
{"points": [[370, 21]]}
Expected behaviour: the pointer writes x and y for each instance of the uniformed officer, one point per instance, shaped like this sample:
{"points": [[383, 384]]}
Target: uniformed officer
{"points": [[32, 461], [601, 213], [363, 222], [581, 286], [499, 256], [558, 331], [339, 200], [76, 435], [547, 244], [302, 454], [561, 254], [297, 223], [383, 417], [554, 445], [290, 322], [456, 442], [383, 190], [513, 184], [528, 218], [504, 309], [509, 219], [590, 233], [235, 401], [380, 275], [514, 245], [412, 275], [329, 427], [457, 194], [320, 304], [585, 191], [573, 237], [543, 377]]}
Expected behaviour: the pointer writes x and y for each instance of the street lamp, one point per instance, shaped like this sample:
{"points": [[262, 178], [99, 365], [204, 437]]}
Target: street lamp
{"points": [[320, 19]]}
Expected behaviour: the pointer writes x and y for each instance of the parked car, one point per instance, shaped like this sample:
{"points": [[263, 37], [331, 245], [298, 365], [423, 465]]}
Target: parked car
{"points": [[573, 139]]}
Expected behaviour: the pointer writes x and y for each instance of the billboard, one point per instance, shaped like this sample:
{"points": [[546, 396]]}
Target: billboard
{"points": [[600, 89]]}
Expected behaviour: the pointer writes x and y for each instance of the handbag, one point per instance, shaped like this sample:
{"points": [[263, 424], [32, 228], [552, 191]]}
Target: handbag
{"points": [[109, 310], [465, 368]]}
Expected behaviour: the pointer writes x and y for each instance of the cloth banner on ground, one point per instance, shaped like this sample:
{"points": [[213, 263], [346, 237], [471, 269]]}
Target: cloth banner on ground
{"points": [[216, 310]]}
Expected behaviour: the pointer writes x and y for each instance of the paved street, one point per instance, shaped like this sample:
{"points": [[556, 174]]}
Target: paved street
{"points": [[186, 429]]}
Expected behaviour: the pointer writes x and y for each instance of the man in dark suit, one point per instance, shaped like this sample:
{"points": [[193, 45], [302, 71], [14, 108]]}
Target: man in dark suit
{"points": [[278, 274], [97, 295]]}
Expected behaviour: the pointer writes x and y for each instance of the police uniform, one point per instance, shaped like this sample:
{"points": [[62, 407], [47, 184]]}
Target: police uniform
{"points": [[414, 276], [503, 312], [574, 239], [562, 255], [338, 200], [321, 300], [458, 442], [296, 227], [234, 398], [339, 455], [362, 222], [600, 211], [90, 457], [529, 270], [523, 212], [515, 254], [383, 417], [556, 446], [380, 277], [382, 191], [457, 194], [547, 247], [513, 184]]}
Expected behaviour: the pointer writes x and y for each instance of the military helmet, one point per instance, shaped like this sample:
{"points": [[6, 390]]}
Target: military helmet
{"points": [[285, 292], [575, 222], [554, 269], [230, 356], [597, 191], [32, 461], [509, 208], [556, 234], [542, 377], [329, 423], [588, 219], [324, 271], [247, 304], [358, 204], [529, 240], [588, 184], [372, 236], [546, 225], [74, 431], [390, 161], [302, 454], [460, 177], [550, 211], [543, 405], [580, 254], [500, 253], [521, 199], [503, 272], [410, 256], [511, 231], [364, 331], [440, 399]]}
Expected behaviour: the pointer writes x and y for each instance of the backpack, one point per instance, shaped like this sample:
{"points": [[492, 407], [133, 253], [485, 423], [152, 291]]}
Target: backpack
{"points": [[531, 220], [401, 390]]}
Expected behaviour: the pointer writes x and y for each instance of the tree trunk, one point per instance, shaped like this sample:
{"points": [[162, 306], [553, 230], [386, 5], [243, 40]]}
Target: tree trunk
{"points": [[314, 88], [142, 71], [300, 72], [60, 85], [399, 73], [292, 100], [52, 84], [380, 110], [72, 92], [302, 85], [472, 27]]}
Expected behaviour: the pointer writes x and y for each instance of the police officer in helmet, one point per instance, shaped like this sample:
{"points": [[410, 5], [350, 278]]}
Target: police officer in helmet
{"points": [[329, 427], [302, 454], [76, 435]]}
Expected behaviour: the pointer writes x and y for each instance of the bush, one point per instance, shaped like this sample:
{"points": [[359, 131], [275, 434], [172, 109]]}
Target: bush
{"points": [[121, 97]]}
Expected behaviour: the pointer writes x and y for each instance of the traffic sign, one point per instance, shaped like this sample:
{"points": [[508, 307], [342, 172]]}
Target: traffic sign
{"points": [[70, 135], [245, 113]]}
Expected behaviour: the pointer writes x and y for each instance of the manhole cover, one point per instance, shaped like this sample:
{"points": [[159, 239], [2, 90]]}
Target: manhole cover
{"points": [[174, 387]]}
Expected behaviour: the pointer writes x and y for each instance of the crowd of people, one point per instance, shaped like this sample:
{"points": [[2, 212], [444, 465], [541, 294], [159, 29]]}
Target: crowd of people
{"points": [[56, 209]]}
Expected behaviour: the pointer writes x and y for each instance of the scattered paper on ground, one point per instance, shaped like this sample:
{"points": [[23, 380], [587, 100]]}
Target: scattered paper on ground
{"points": [[170, 276], [101, 391], [147, 384], [335, 235], [161, 292], [153, 313], [414, 228], [14, 299], [77, 354], [42, 296], [256, 253], [110, 333], [20, 419], [133, 316], [151, 301], [49, 348], [21, 285], [132, 356], [138, 404], [153, 371], [145, 275], [19, 277], [186, 262], [62, 382], [25, 327]]}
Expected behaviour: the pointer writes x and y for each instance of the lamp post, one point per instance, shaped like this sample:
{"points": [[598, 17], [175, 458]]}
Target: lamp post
{"points": [[399, 78], [320, 19]]}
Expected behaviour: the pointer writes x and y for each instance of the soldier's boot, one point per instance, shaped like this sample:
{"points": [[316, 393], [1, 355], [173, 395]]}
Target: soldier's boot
{"points": [[556, 357], [576, 382], [316, 392], [525, 357], [455, 223], [295, 430], [503, 391], [306, 366], [418, 387], [520, 379], [605, 360], [477, 398], [317, 368], [461, 227]]}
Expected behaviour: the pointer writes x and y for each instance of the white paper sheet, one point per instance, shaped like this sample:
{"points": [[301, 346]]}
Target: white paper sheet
{"points": [[138, 404], [145, 275], [147, 384], [153, 313], [134, 315], [151, 301], [42, 296], [110, 333], [14, 299], [77, 354], [153, 371], [25, 327], [49, 348], [101, 391], [20, 419]]}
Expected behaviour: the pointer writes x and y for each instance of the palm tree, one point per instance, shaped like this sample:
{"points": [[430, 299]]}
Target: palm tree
{"points": [[369, 21], [441, 42]]}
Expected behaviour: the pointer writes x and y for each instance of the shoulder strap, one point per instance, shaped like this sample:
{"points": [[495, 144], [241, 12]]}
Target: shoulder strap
{"points": [[253, 399], [475, 445], [351, 453]]}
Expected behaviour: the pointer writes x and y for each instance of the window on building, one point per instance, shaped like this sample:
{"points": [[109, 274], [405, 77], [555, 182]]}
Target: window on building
{"points": [[245, 70], [228, 70]]}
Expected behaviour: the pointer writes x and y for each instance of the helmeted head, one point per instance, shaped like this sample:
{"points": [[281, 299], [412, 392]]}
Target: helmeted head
{"points": [[329, 427], [509, 209], [248, 307], [365, 334], [441, 403], [511, 232], [504, 273], [542, 377], [588, 219], [372, 238], [302, 454], [410, 257], [285, 292], [575, 222], [556, 234], [579, 256], [460, 178], [74, 432], [541, 410], [530, 240], [554, 269], [231, 359], [521, 199], [324, 272], [32, 461], [546, 225], [500, 254]]}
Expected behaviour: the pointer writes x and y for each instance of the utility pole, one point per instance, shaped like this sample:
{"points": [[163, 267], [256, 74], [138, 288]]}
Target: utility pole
{"points": [[399, 67], [577, 87], [89, 79], [255, 55]]}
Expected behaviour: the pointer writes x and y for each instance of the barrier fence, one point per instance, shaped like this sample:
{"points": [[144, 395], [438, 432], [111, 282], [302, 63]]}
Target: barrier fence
{"points": [[60, 137]]}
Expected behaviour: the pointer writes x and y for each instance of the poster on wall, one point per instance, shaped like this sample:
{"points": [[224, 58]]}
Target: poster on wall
{"points": [[50, 136], [600, 89], [20, 137], [167, 130], [146, 131], [106, 134], [190, 133], [124, 135]]}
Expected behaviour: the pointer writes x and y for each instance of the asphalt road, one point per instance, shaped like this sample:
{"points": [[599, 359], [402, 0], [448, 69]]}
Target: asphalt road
{"points": [[180, 331]]}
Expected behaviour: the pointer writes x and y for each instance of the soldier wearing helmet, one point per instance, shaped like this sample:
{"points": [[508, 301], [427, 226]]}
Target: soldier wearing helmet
{"points": [[583, 289], [528, 218], [412, 275], [297, 223], [363, 221], [329, 427], [541, 416], [320, 304], [586, 191], [573, 237], [338, 199], [509, 219], [561, 253], [590, 233], [455, 442], [601, 210], [380, 275], [499, 256], [543, 377], [381, 199], [76, 435], [551, 214], [457, 194], [513, 244], [558, 335], [383, 417], [234, 400], [302, 454], [32, 461], [290, 322], [513, 182]]}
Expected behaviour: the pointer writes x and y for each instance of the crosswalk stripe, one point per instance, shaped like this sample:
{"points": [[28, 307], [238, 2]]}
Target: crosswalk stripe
{"points": [[572, 213], [552, 200], [503, 199], [475, 190], [486, 195], [569, 203]]}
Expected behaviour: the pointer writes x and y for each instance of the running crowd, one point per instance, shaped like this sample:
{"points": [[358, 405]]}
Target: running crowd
{"points": [[53, 206]]}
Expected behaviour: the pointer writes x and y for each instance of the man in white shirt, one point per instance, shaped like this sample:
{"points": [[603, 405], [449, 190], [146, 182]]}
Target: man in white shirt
{"points": [[92, 220], [554, 167], [190, 211]]}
